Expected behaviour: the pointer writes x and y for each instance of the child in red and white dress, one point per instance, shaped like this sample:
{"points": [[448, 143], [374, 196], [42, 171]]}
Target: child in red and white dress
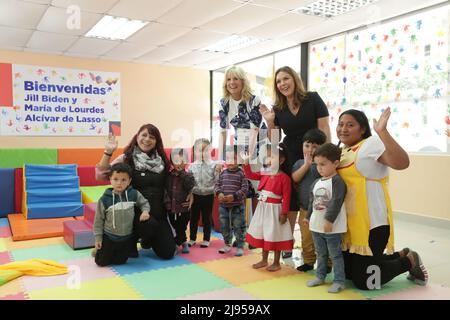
{"points": [[268, 228]]}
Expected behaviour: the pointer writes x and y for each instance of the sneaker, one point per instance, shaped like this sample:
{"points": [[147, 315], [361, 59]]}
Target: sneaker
{"points": [[225, 249], [305, 267], [336, 287], [403, 253], [315, 282], [191, 243], [204, 244], [239, 252], [418, 270], [287, 254], [185, 248]]}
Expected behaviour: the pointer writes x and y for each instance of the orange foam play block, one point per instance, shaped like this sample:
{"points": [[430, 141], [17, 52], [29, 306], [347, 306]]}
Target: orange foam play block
{"points": [[84, 157], [23, 229]]}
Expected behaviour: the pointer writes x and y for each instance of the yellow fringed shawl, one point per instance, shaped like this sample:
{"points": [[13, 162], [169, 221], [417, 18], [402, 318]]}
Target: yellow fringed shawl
{"points": [[32, 267], [356, 240]]}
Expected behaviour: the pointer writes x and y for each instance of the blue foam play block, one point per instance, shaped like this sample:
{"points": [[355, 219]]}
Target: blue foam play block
{"points": [[6, 191], [54, 210], [35, 196], [50, 170], [64, 182]]}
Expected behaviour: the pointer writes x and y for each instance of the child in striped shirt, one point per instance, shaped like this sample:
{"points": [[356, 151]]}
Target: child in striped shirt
{"points": [[231, 190]]}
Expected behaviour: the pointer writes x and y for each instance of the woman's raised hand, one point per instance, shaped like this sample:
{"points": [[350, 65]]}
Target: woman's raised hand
{"points": [[269, 115], [381, 124], [111, 143]]}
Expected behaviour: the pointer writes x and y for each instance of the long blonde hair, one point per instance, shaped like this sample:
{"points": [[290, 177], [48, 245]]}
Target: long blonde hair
{"points": [[240, 74], [299, 90]]}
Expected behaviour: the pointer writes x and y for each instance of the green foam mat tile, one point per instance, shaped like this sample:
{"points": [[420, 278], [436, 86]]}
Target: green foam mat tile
{"points": [[397, 284], [175, 282], [58, 252]]}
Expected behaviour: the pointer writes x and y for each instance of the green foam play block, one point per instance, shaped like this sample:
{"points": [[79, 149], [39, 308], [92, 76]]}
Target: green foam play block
{"points": [[16, 158]]}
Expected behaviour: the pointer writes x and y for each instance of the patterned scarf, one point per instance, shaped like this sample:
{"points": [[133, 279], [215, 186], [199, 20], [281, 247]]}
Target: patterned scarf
{"points": [[143, 162]]}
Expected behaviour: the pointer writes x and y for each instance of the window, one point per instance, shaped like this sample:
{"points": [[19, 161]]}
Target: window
{"points": [[260, 73], [402, 64]]}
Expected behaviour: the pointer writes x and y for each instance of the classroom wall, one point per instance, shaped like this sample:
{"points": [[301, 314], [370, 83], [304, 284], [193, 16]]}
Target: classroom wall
{"points": [[424, 188], [174, 99]]}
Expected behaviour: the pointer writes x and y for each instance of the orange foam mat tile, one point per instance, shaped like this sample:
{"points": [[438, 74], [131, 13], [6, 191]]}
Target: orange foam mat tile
{"points": [[34, 243], [294, 288], [23, 229], [239, 270]]}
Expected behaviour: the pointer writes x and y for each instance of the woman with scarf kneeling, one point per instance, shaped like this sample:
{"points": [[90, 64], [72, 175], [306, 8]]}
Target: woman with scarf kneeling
{"points": [[145, 154]]}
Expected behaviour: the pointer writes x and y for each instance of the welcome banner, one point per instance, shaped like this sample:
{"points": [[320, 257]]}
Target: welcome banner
{"points": [[47, 101]]}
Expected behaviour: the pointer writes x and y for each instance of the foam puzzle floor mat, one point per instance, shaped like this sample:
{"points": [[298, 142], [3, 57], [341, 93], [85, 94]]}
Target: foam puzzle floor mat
{"points": [[203, 274]]}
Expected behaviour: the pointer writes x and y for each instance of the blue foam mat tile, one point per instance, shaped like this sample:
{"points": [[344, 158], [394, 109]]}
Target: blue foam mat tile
{"points": [[4, 222], [148, 261]]}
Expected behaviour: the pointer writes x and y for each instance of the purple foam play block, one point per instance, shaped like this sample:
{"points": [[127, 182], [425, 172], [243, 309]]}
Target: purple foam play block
{"points": [[89, 213], [78, 234]]}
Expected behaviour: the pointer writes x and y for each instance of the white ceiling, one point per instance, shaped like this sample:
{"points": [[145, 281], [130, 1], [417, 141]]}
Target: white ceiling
{"points": [[179, 29]]}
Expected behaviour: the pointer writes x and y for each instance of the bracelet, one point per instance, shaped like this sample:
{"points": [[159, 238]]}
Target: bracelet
{"points": [[108, 154]]}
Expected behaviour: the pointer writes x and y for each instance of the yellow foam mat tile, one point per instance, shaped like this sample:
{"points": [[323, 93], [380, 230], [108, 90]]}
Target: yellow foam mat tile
{"points": [[239, 270], [3, 244], [102, 289], [294, 288], [11, 288], [14, 245]]}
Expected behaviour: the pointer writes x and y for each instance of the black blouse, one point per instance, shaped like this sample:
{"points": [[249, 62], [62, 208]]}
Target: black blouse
{"points": [[295, 126]]}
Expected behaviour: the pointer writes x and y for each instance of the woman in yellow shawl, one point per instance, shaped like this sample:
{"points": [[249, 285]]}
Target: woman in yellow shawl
{"points": [[364, 166]]}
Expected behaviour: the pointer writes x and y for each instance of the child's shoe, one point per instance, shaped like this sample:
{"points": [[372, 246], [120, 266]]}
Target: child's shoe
{"points": [[403, 253], [239, 252], [225, 249], [185, 248], [191, 243], [204, 244], [315, 282], [336, 287], [418, 270], [305, 267]]}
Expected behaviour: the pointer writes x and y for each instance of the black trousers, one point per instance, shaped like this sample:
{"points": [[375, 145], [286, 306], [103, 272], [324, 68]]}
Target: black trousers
{"points": [[113, 252], [203, 205], [358, 267], [156, 234], [179, 222]]}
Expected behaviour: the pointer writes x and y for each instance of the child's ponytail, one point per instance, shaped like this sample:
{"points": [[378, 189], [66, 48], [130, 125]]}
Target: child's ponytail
{"points": [[283, 152]]}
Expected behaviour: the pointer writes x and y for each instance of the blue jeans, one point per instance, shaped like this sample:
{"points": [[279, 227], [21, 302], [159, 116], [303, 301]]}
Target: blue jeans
{"points": [[329, 243], [233, 219]]}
